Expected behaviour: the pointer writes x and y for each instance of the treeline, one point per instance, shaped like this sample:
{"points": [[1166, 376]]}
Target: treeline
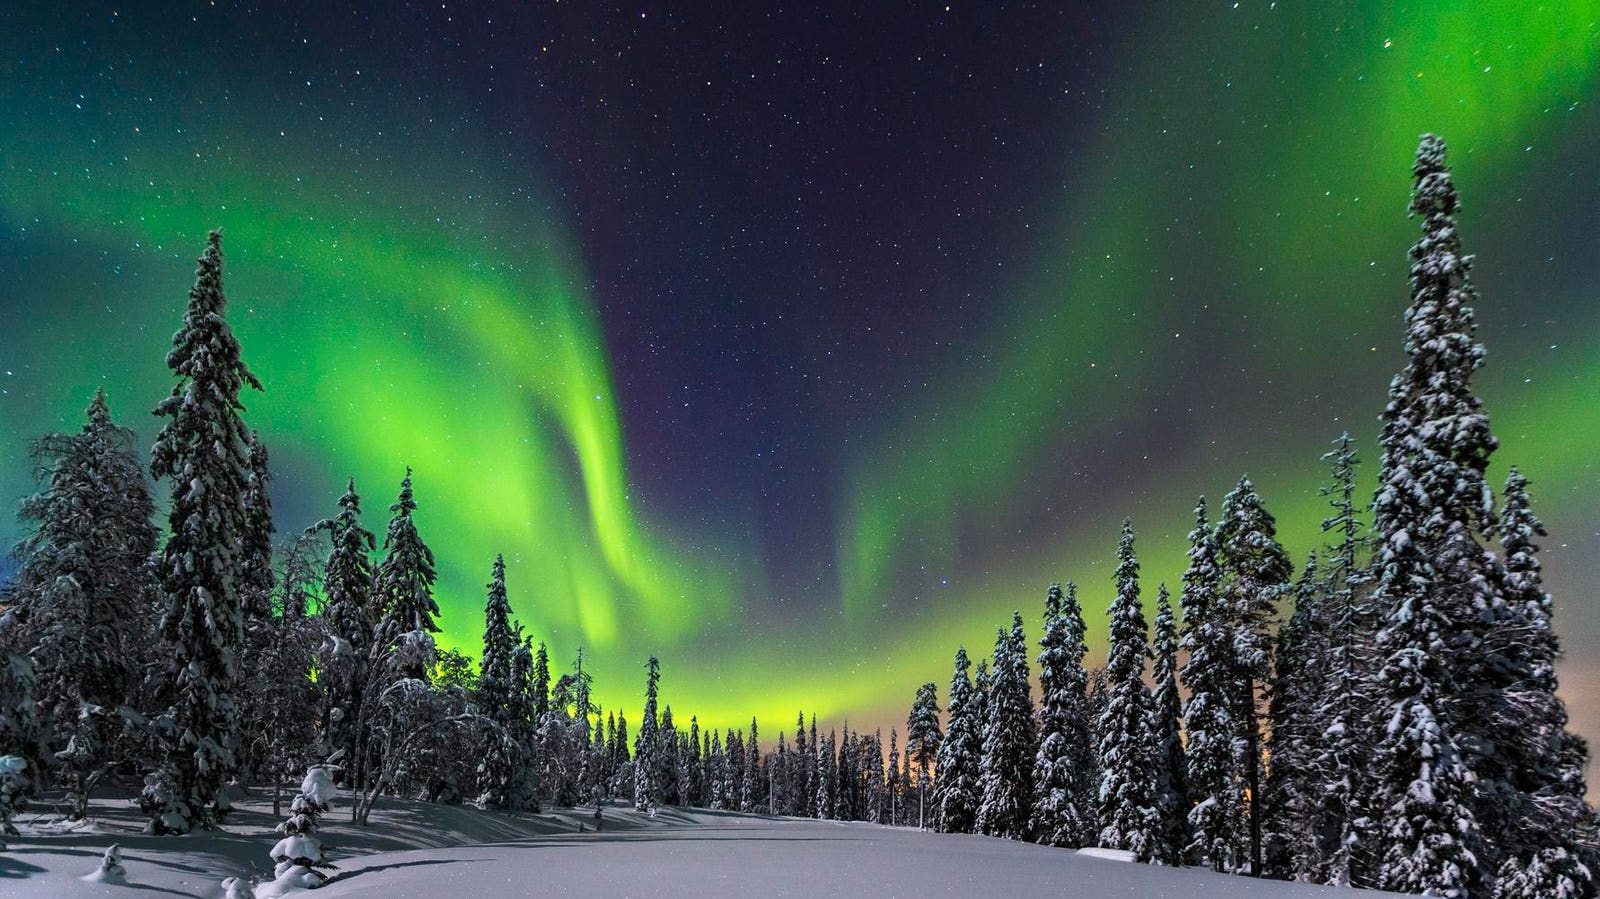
{"points": [[1398, 728], [223, 657]]}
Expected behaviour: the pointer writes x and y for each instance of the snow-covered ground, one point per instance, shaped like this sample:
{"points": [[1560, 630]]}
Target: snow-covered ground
{"points": [[440, 852]]}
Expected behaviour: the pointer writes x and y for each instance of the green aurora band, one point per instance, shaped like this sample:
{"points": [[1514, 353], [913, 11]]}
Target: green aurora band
{"points": [[398, 319]]}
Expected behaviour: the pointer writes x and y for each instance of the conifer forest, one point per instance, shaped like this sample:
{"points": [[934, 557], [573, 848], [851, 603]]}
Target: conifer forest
{"points": [[594, 466]]}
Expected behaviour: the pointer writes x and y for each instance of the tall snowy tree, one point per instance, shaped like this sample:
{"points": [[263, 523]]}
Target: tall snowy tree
{"points": [[350, 611], [751, 787], [1432, 575], [1292, 784], [1547, 820], [1062, 767], [923, 738], [404, 588], [1255, 575], [1129, 817], [646, 754], [84, 587], [1216, 796], [497, 688], [1344, 705], [1010, 741], [1172, 766], [203, 450]]}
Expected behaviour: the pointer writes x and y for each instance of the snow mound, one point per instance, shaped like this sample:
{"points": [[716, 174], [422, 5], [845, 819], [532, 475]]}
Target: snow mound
{"points": [[1113, 855]]}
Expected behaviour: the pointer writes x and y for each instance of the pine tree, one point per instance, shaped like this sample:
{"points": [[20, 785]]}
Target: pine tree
{"points": [[84, 584], [1214, 747], [1010, 741], [541, 688], [256, 589], [1547, 819], [750, 788], [1129, 818], [351, 615], [896, 788], [1432, 498], [1062, 763], [1172, 766], [1255, 574], [404, 589], [827, 778], [203, 449], [1291, 795], [1344, 707], [923, 737], [497, 772], [646, 757]]}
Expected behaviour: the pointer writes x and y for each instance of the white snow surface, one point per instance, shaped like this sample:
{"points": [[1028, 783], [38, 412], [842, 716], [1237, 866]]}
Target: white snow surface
{"points": [[414, 849]]}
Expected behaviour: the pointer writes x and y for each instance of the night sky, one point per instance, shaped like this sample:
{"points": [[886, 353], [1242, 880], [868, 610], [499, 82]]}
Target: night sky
{"points": [[799, 347]]}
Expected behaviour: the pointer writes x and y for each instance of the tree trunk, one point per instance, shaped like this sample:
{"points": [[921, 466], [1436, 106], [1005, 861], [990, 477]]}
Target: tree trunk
{"points": [[1252, 773]]}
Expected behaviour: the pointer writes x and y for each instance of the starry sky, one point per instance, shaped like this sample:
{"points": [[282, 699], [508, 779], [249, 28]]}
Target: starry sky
{"points": [[800, 345]]}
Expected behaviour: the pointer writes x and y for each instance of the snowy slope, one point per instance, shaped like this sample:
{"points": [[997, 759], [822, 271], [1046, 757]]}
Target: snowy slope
{"points": [[419, 850]]}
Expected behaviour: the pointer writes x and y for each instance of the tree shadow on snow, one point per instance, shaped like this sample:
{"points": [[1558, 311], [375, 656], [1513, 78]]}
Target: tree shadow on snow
{"points": [[13, 868], [420, 863]]}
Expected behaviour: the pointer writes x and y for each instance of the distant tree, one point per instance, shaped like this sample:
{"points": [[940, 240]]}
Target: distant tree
{"points": [[203, 450]]}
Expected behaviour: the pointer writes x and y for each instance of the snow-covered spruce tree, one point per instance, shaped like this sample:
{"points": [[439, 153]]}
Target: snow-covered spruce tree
{"points": [[1172, 766], [1062, 764], [1340, 761], [1129, 817], [1255, 575], [1010, 741], [522, 727], [666, 755], [256, 605], [404, 589], [84, 587], [646, 754], [299, 858], [350, 613], [498, 770], [892, 783], [1548, 825], [1435, 584], [286, 697], [695, 773], [203, 449], [1215, 795], [750, 796], [1294, 729], [828, 778], [19, 717], [923, 737]]}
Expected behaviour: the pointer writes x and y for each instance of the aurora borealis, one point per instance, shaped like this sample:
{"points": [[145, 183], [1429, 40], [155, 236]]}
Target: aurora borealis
{"points": [[798, 348]]}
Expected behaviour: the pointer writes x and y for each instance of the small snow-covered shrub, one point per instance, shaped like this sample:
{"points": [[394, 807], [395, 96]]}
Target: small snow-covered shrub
{"points": [[110, 870], [13, 784], [299, 855], [159, 801]]}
